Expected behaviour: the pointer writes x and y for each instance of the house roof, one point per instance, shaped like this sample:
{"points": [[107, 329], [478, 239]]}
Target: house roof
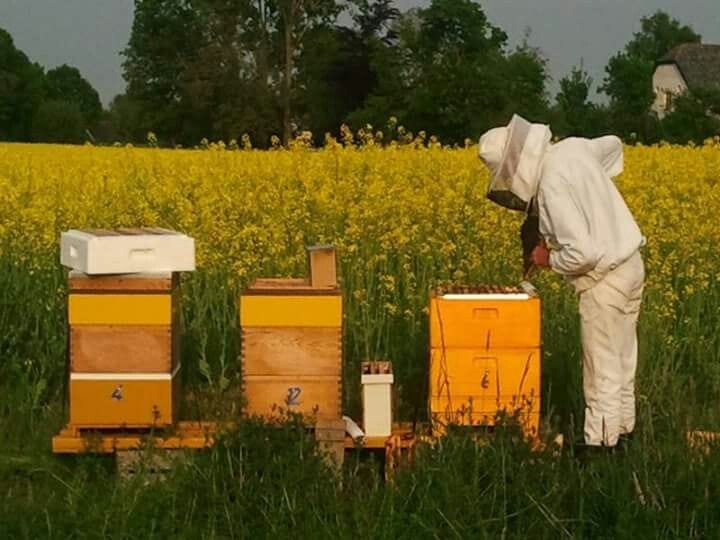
{"points": [[698, 63]]}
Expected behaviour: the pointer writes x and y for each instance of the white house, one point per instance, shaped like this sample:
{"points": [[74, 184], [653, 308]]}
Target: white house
{"points": [[691, 65]]}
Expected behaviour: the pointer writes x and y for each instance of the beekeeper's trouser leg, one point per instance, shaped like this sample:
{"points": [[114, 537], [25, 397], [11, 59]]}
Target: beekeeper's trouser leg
{"points": [[609, 313]]}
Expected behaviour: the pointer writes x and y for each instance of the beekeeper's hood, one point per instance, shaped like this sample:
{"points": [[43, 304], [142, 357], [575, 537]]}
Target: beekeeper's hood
{"points": [[514, 156]]}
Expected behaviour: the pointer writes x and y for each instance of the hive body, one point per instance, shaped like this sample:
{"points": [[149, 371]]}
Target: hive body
{"points": [[485, 357], [124, 350]]}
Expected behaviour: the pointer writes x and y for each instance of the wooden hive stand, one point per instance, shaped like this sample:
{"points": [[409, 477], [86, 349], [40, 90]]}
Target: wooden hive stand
{"points": [[485, 357]]}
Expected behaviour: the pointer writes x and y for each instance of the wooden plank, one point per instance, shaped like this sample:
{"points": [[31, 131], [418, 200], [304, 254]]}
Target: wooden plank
{"points": [[323, 268], [120, 309], [283, 311], [124, 283], [121, 349], [485, 324], [121, 402], [287, 287], [292, 351], [190, 435], [319, 395]]}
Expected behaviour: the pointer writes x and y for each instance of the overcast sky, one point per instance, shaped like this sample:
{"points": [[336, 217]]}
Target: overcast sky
{"points": [[89, 34]]}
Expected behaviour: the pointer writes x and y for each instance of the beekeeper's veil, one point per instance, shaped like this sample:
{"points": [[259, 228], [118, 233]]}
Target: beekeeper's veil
{"points": [[514, 156]]}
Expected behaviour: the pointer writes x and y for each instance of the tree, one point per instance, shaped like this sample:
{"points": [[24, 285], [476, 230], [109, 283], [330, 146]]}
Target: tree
{"points": [[65, 83], [296, 18], [695, 117], [166, 35], [629, 73], [337, 71], [22, 89], [59, 121], [449, 73]]}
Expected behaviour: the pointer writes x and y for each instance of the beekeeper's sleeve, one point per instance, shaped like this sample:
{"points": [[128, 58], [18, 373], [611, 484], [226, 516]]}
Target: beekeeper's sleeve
{"points": [[609, 152], [573, 251]]}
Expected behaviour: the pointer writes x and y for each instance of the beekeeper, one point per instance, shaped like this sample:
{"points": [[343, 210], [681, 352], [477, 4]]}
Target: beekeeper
{"points": [[588, 236]]}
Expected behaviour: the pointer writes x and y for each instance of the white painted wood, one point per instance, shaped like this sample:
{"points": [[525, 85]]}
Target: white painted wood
{"points": [[377, 404], [94, 254]]}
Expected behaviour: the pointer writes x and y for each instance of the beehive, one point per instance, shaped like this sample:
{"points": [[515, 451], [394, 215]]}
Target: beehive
{"points": [[292, 347], [485, 356], [124, 350]]}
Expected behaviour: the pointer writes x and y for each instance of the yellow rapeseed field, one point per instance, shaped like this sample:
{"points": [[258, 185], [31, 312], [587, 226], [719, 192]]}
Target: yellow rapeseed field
{"points": [[404, 217]]}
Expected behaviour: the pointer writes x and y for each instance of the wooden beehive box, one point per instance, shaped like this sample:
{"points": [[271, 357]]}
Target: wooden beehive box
{"points": [[292, 348], [124, 350], [485, 347]]}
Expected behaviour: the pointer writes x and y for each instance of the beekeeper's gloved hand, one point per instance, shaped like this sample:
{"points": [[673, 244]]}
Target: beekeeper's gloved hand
{"points": [[541, 256]]}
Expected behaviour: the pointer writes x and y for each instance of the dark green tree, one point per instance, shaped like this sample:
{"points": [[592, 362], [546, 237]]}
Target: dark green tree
{"points": [[65, 83], [337, 71], [449, 73], [166, 35], [58, 121], [22, 89], [695, 117]]}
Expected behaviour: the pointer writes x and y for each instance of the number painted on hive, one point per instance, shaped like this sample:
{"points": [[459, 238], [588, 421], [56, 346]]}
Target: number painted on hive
{"points": [[293, 396]]}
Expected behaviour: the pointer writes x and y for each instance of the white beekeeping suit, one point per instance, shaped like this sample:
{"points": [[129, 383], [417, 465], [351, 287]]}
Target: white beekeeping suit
{"points": [[594, 243]]}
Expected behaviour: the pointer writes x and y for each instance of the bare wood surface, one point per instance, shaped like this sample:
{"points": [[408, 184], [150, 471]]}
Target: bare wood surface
{"points": [[307, 395], [121, 349], [286, 286], [323, 268], [292, 351], [79, 283]]}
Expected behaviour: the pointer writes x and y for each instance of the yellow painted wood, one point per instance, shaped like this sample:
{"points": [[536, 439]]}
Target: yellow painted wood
{"points": [[472, 372], [120, 309], [485, 324], [283, 311], [469, 386], [121, 402]]}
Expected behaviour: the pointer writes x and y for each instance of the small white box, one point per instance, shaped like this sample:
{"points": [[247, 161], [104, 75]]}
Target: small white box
{"points": [[377, 404], [127, 251]]}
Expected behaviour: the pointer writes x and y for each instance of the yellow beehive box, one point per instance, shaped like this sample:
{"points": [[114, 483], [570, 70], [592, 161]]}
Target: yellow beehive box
{"points": [[485, 356], [134, 400], [470, 387], [291, 348], [507, 318]]}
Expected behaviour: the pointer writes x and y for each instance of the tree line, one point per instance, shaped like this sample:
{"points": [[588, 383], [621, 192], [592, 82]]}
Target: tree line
{"points": [[268, 69]]}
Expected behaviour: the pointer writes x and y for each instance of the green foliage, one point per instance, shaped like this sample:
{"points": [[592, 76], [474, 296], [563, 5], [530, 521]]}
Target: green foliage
{"points": [[695, 117], [67, 84], [21, 91], [449, 71], [59, 121], [574, 114], [34, 106]]}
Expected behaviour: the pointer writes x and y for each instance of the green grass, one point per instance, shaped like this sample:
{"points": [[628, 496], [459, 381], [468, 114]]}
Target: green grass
{"points": [[266, 481]]}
